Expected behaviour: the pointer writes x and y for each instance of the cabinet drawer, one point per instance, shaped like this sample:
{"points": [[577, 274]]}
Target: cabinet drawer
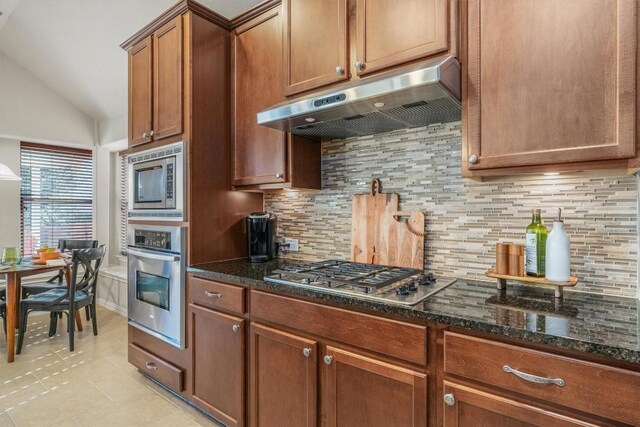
{"points": [[389, 337], [216, 295], [156, 368], [594, 388]]}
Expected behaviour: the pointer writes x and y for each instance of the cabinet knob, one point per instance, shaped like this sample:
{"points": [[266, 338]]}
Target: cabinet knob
{"points": [[327, 360], [306, 352], [235, 328], [151, 366], [449, 399], [152, 133], [279, 175], [144, 134], [473, 159], [212, 294], [359, 65], [340, 70]]}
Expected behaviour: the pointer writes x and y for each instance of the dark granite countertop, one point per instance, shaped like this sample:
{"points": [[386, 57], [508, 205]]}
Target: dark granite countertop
{"points": [[597, 324]]}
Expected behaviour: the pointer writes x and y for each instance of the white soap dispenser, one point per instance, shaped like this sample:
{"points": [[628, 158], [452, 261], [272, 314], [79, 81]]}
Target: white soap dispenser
{"points": [[558, 252]]}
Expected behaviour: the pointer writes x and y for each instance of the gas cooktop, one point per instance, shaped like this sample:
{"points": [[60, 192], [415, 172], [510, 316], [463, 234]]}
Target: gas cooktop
{"points": [[395, 285]]}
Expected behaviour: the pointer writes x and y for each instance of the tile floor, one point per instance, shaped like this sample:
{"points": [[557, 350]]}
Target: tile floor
{"points": [[48, 385]]}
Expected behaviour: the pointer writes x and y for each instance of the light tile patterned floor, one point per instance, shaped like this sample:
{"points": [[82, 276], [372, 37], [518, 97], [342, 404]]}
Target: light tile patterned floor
{"points": [[48, 385]]}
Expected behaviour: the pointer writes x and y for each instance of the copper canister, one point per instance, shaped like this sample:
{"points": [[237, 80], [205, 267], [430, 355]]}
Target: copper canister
{"points": [[516, 265], [502, 258]]}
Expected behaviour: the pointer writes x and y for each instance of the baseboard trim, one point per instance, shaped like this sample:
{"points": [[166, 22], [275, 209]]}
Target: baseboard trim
{"points": [[111, 306]]}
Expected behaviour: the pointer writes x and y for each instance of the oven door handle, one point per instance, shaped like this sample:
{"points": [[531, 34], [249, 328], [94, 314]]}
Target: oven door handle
{"points": [[153, 255]]}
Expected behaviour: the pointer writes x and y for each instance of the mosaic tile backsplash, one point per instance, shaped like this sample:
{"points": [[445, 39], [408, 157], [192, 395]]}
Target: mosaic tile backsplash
{"points": [[465, 218]]}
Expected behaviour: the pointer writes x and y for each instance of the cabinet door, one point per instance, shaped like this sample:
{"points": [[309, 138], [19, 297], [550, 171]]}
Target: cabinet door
{"points": [[361, 391], [260, 153], [548, 82], [391, 33], [315, 43], [167, 79], [283, 378], [140, 92], [218, 364], [464, 406]]}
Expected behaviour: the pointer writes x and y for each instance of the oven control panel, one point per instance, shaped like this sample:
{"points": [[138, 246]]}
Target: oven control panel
{"points": [[153, 239]]}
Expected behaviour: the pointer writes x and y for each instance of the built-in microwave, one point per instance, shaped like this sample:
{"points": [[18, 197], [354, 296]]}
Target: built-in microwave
{"points": [[156, 183]]}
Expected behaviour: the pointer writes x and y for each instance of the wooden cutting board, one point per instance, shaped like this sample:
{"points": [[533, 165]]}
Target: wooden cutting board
{"points": [[379, 232]]}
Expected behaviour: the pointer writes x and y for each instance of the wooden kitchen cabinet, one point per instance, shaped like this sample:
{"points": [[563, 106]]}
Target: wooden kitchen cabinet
{"points": [[359, 390], [283, 378], [140, 89], [218, 364], [548, 85], [466, 406], [331, 41], [265, 158], [155, 85], [389, 33], [315, 44]]}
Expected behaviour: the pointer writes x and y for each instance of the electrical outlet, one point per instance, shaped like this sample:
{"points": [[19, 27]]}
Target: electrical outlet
{"points": [[291, 245]]}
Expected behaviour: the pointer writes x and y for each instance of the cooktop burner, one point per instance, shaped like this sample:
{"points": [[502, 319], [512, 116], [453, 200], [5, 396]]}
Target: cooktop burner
{"points": [[398, 285]]}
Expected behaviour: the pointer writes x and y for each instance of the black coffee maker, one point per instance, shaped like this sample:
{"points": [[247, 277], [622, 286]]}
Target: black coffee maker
{"points": [[261, 236]]}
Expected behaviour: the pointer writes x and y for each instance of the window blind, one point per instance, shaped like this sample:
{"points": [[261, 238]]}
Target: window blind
{"points": [[56, 195], [124, 199]]}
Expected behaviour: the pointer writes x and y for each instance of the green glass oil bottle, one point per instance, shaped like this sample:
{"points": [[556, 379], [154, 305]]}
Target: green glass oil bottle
{"points": [[536, 242]]}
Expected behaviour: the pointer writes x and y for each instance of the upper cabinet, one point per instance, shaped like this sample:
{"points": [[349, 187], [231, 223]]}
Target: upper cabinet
{"points": [[265, 158], [389, 33], [315, 43], [548, 85], [328, 41], [140, 88], [155, 85]]}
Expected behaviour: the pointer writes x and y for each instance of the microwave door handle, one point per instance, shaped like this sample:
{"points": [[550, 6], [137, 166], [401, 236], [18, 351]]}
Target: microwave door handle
{"points": [[151, 255]]}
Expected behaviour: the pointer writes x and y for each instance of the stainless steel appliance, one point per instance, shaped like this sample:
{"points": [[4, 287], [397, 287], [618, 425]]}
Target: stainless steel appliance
{"points": [[156, 296], [424, 94], [156, 183], [395, 285], [261, 236]]}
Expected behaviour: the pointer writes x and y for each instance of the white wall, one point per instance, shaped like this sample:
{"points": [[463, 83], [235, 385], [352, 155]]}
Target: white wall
{"points": [[10, 195], [31, 111]]}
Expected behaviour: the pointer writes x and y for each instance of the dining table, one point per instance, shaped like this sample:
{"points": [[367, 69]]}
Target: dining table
{"points": [[14, 275]]}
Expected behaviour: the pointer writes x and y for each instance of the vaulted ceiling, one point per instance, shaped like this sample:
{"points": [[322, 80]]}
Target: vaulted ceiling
{"points": [[73, 45]]}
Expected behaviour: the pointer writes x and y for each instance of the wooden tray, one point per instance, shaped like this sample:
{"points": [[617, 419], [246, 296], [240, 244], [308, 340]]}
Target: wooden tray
{"points": [[532, 281]]}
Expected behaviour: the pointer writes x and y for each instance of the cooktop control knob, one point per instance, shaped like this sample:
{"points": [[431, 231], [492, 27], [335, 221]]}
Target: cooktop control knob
{"points": [[411, 287], [402, 290], [429, 279]]}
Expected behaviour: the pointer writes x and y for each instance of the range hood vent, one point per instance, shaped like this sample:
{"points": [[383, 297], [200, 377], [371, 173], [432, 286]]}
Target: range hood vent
{"points": [[423, 95]]}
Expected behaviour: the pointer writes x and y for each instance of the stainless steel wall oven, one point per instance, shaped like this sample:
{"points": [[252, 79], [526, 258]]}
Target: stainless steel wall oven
{"points": [[156, 293]]}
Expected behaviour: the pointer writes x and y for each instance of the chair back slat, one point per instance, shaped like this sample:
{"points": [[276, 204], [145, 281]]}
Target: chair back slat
{"points": [[89, 260]]}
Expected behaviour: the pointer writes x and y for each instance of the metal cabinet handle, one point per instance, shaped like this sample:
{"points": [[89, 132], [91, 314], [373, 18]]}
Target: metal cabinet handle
{"points": [[235, 328], [533, 378], [359, 65], [213, 294], [151, 366], [306, 352], [144, 134], [279, 175], [340, 70], [152, 133], [327, 360], [449, 399], [473, 159]]}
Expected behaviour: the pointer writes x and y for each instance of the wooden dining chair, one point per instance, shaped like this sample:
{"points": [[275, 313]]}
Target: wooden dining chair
{"points": [[80, 293], [57, 281]]}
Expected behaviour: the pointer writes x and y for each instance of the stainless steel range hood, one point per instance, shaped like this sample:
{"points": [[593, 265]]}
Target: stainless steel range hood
{"points": [[423, 95]]}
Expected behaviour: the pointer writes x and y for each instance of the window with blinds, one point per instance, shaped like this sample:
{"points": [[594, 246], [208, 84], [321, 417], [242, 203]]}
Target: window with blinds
{"points": [[124, 199], [56, 195]]}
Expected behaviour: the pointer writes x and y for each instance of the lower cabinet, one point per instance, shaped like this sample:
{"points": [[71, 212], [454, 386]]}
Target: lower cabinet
{"points": [[283, 378], [218, 364], [361, 391], [465, 406]]}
